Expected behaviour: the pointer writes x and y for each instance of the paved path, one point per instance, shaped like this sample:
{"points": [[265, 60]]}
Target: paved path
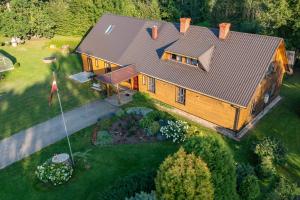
{"points": [[31, 140]]}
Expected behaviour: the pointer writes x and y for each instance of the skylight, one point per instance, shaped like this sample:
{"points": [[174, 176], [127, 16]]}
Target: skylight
{"points": [[109, 29]]}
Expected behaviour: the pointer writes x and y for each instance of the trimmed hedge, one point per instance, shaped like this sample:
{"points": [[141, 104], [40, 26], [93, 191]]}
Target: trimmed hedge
{"points": [[129, 186]]}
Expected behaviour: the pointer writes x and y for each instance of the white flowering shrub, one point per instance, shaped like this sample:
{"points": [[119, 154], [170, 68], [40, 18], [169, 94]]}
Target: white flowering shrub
{"points": [[143, 196], [175, 130], [55, 174]]}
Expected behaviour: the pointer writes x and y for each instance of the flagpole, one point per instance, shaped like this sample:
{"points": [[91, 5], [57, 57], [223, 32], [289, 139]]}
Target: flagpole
{"points": [[64, 122]]}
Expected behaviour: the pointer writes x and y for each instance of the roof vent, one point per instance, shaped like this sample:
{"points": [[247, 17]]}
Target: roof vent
{"points": [[154, 32], [184, 24], [109, 29], [224, 29]]}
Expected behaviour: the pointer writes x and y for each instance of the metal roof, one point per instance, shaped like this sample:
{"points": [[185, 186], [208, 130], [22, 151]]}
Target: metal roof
{"points": [[236, 67], [119, 75]]}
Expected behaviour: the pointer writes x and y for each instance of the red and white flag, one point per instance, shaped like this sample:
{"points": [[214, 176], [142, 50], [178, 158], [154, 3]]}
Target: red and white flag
{"points": [[54, 88]]}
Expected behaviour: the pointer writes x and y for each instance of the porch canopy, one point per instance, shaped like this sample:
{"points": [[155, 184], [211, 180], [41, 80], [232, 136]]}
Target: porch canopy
{"points": [[119, 75]]}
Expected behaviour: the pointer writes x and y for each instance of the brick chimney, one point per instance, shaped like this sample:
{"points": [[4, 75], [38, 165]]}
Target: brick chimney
{"points": [[154, 32], [224, 29], [184, 24]]}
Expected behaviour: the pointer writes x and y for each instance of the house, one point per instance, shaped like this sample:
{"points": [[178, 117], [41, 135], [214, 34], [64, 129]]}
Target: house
{"points": [[219, 75]]}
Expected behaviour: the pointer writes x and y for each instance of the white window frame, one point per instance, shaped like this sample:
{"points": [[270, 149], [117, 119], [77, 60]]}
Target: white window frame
{"points": [[179, 58], [144, 79], [195, 61], [180, 96], [151, 84], [188, 61]]}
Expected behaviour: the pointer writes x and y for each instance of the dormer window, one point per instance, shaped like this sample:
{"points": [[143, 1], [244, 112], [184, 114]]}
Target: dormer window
{"points": [[173, 57], [179, 59], [188, 61], [183, 59], [194, 62]]}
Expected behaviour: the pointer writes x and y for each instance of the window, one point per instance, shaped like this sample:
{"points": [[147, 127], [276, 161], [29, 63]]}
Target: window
{"points": [[151, 84], [194, 62], [96, 63], [188, 61], [173, 57], [90, 64], [253, 108], [109, 29], [180, 98], [270, 69], [144, 80], [273, 89], [179, 58], [107, 67]]}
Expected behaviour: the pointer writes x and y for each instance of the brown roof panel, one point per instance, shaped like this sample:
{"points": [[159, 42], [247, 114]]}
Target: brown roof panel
{"points": [[119, 75], [236, 67]]}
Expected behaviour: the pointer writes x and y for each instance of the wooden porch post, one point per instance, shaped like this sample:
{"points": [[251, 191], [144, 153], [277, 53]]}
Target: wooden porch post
{"points": [[118, 92], [107, 90]]}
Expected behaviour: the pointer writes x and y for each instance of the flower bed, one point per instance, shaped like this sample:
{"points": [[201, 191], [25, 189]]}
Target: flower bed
{"points": [[53, 173]]}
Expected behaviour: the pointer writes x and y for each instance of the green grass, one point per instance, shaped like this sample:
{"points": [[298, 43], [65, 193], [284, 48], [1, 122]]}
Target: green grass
{"points": [[106, 165], [109, 163], [25, 90], [24, 103], [282, 123]]}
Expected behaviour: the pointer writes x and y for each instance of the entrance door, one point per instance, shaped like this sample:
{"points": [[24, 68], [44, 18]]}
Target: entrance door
{"points": [[136, 83]]}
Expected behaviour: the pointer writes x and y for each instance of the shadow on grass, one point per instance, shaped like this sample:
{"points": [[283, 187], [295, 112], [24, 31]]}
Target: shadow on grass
{"points": [[19, 111]]}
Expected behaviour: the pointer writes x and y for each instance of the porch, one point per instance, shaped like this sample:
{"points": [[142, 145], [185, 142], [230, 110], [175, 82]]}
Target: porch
{"points": [[123, 82]]}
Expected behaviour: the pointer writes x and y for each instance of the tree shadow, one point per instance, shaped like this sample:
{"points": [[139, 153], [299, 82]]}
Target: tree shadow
{"points": [[19, 111]]}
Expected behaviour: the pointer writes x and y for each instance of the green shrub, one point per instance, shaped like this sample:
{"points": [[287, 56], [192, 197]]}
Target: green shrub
{"points": [[120, 113], [156, 115], [272, 148], [220, 162], [266, 167], [55, 174], [153, 129], [249, 189], [243, 170], [183, 177], [145, 123], [143, 196], [284, 190], [104, 138], [129, 185], [139, 110], [105, 124]]}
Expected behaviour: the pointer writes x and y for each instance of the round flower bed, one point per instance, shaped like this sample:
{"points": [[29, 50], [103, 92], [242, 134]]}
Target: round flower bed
{"points": [[54, 173]]}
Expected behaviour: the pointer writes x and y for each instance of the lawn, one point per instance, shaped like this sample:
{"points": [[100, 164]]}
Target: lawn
{"points": [[107, 164], [24, 91], [282, 123]]}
